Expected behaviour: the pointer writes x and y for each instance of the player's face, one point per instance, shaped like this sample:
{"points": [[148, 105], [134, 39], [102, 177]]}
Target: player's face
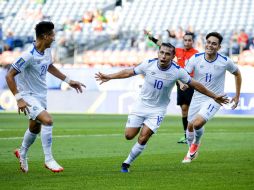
{"points": [[188, 41], [165, 55], [49, 38], [212, 45]]}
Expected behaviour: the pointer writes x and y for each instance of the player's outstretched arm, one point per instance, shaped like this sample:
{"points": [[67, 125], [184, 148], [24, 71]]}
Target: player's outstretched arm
{"points": [[154, 40], [220, 99], [74, 84], [126, 73]]}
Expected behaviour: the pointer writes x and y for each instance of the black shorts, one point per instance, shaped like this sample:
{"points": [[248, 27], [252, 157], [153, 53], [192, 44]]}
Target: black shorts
{"points": [[184, 97]]}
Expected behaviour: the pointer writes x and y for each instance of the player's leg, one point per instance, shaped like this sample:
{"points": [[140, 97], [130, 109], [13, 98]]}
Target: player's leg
{"points": [[190, 134], [31, 132], [131, 132], [184, 100], [193, 110], [150, 126], [180, 103], [46, 140], [184, 109], [138, 148], [192, 114], [208, 110], [198, 124], [133, 125], [29, 138]]}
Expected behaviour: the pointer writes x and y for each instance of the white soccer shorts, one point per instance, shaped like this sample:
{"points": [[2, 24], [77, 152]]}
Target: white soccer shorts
{"points": [[153, 122], [36, 106], [207, 109]]}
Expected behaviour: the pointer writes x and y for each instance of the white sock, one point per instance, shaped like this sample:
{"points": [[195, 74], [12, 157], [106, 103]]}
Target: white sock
{"points": [[46, 140], [135, 151], [190, 137], [28, 140], [198, 134]]}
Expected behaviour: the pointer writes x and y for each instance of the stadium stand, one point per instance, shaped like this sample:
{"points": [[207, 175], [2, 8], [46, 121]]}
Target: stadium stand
{"points": [[100, 33]]}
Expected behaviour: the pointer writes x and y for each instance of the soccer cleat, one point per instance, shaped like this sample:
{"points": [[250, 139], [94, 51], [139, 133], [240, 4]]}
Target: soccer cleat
{"points": [[187, 159], [22, 161], [125, 168], [53, 166], [193, 150], [192, 153], [183, 140]]}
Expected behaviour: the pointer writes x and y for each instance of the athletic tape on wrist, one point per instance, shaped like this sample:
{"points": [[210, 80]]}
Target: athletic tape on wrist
{"points": [[67, 80], [18, 96]]}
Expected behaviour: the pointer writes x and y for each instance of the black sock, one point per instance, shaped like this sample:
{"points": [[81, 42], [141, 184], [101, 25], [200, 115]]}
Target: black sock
{"points": [[185, 123]]}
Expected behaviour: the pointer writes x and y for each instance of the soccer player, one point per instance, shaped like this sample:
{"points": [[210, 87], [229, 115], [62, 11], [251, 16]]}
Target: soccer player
{"points": [[184, 92], [160, 76], [210, 68], [27, 81]]}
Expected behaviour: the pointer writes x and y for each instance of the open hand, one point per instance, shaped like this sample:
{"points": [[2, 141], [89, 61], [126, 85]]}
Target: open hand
{"points": [[236, 101], [77, 85], [101, 77], [23, 106], [222, 99]]}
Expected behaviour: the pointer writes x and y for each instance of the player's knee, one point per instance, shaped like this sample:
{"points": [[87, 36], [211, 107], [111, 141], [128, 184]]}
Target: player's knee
{"points": [[142, 140], [48, 121], [34, 127], [184, 111], [197, 124], [35, 130], [128, 136], [190, 127]]}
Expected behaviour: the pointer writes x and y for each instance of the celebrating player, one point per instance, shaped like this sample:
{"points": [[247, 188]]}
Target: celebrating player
{"points": [[30, 91], [210, 68], [160, 77]]}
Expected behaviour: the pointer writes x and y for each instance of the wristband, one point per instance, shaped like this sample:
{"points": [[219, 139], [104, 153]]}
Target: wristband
{"points": [[18, 96], [67, 80]]}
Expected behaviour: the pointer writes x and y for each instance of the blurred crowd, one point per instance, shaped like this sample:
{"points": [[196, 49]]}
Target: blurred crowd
{"points": [[239, 41], [72, 32]]}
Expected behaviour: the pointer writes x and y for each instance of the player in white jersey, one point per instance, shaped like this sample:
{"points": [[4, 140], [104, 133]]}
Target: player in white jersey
{"points": [[160, 77], [210, 68], [27, 81]]}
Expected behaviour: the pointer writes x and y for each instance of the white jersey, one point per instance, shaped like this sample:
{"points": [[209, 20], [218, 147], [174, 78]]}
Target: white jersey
{"points": [[158, 83], [210, 74], [32, 67]]}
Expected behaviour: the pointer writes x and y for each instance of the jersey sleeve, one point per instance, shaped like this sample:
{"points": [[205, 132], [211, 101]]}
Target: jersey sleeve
{"points": [[140, 69], [22, 62], [189, 67], [231, 66], [183, 76]]}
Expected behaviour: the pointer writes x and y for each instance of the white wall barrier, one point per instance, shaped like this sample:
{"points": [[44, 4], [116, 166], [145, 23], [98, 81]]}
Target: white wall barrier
{"points": [[115, 102], [117, 96]]}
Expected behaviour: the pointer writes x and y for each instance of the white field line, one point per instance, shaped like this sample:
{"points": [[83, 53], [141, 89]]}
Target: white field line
{"points": [[67, 136], [118, 135]]}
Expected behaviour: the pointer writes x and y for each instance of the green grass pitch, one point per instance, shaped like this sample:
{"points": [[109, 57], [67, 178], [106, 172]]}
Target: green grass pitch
{"points": [[91, 149]]}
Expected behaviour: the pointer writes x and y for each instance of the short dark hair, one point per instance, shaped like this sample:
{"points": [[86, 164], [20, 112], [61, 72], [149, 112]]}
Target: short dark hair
{"points": [[43, 27], [169, 45], [216, 35], [190, 34]]}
